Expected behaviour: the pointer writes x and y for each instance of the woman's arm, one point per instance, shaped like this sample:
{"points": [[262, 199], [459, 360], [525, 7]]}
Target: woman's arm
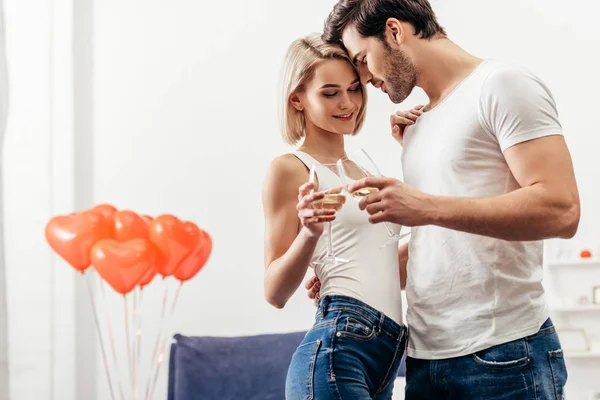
{"points": [[288, 252]]}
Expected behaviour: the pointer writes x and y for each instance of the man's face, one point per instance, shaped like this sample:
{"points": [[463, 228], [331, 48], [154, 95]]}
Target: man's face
{"points": [[389, 69]]}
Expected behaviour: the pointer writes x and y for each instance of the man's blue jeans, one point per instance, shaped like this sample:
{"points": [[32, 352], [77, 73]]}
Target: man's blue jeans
{"points": [[531, 368]]}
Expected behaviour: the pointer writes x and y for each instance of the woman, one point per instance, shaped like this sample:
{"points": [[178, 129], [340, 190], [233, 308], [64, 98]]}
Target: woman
{"points": [[355, 346]]}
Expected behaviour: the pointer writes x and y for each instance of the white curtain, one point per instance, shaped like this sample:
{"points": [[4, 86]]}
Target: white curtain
{"points": [[4, 390], [3, 308]]}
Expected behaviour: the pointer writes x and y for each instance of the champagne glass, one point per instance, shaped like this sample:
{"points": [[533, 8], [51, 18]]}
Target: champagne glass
{"points": [[333, 199], [360, 166]]}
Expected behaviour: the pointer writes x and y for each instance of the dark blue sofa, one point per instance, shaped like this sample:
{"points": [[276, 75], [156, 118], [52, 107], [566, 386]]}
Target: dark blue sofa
{"points": [[232, 368]]}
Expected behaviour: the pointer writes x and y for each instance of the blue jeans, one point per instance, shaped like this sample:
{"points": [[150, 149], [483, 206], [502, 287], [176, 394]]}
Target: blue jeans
{"points": [[531, 368], [352, 352]]}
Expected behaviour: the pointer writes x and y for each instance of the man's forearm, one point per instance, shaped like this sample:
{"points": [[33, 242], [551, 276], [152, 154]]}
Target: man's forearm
{"points": [[529, 213]]}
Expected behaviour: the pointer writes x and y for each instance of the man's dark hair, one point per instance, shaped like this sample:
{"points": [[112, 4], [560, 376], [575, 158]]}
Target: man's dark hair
{"points": [[369, 18]]}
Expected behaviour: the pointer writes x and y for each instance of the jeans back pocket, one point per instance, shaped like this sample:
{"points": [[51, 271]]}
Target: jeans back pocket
{"points": [[299, 383]]}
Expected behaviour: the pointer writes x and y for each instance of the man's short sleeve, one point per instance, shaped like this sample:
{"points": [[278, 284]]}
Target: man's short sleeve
{"points": [[516, 106]]}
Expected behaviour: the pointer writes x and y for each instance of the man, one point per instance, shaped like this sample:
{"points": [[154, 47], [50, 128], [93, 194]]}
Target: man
{"points": [[487, 176]]}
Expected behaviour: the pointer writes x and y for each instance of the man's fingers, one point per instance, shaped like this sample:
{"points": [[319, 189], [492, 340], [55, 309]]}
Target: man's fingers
{"points": [[373, 198], [375, 207], [379, 217], [372, 182]]}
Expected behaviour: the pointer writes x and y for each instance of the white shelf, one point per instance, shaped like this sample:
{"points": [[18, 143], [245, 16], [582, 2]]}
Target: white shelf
{"points": [[579, 308], [582, 262]]}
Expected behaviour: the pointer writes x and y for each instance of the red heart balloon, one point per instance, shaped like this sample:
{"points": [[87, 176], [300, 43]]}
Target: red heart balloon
{"points": [[168, 233], [106, 210], [122, 265], [127, 225], [148, 277], [148, 219], [72, 236], [196, 260]]}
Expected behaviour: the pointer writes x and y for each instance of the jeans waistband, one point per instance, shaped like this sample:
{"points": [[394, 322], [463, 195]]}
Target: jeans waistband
{"points": [[379, 320]]}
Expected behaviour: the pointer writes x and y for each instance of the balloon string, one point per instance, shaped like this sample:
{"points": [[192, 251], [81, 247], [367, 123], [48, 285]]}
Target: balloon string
{"points": [[102, 349], [128, 343], [155, 352], [111, 336], [138, 339], [160, 360]]}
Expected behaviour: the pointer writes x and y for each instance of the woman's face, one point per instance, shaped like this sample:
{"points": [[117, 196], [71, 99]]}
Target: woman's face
{"points": [[332, 98]]}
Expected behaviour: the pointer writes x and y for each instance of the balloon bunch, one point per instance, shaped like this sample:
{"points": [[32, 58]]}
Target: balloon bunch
{"points": [[127, 251]]}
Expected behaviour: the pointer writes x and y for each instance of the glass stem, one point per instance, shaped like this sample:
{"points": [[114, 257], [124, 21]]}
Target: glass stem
{"points": [[390, 233], [330, 240]]}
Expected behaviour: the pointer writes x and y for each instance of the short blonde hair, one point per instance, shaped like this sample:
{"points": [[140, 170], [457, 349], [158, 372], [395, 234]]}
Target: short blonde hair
{"points": [[301, 59]]}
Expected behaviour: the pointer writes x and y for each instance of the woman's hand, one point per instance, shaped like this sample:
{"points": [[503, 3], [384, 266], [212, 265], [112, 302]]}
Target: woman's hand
{"points": [[312, 218], [401, 119]]}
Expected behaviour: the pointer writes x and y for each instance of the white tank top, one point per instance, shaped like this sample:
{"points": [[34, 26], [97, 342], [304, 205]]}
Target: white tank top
{"points": [[371, 274]]}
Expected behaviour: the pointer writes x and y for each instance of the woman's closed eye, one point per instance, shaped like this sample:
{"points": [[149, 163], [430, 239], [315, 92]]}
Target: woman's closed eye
{"points": [[352, 89]]}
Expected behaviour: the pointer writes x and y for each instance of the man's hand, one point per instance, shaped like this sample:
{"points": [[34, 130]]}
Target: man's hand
{"points": [[313, 286], [395, 202]]}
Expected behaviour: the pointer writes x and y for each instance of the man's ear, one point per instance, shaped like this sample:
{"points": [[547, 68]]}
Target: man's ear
{"points": [[395, 31], [296, 102]]}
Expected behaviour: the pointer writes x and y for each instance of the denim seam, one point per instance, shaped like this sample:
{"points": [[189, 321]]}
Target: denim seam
{"points": [[311, 377], [332, 341], [535, 391], [544, 332], [502, 364], [319, 325], [386, 382], [368, 317], [551, 355]]}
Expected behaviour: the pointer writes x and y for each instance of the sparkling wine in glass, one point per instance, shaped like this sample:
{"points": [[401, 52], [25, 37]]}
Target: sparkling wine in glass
{"points": [[359, 166], [334, 199]]}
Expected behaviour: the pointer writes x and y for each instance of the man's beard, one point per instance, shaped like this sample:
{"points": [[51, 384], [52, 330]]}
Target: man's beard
{"points": [[400, 75]]}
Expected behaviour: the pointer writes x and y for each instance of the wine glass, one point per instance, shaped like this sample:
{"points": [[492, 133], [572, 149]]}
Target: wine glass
{"points": [[360, 166], [334, 198]]}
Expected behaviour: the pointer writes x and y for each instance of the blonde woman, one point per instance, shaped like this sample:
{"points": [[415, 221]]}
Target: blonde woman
{"points": [[355, 346]]}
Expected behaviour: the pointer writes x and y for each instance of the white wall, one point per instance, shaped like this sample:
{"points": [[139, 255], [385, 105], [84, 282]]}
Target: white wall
{"points": [[184, 121]]}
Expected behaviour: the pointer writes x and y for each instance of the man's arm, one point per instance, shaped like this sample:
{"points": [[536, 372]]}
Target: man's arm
{"points": [[546, 205], [518, 111]]}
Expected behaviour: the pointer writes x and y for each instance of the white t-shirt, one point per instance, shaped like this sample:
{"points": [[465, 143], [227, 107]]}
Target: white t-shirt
{"points": [[467, 292]]}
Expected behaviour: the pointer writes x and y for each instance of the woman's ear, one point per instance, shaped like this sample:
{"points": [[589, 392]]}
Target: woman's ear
{"points": [[296, 102]]}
